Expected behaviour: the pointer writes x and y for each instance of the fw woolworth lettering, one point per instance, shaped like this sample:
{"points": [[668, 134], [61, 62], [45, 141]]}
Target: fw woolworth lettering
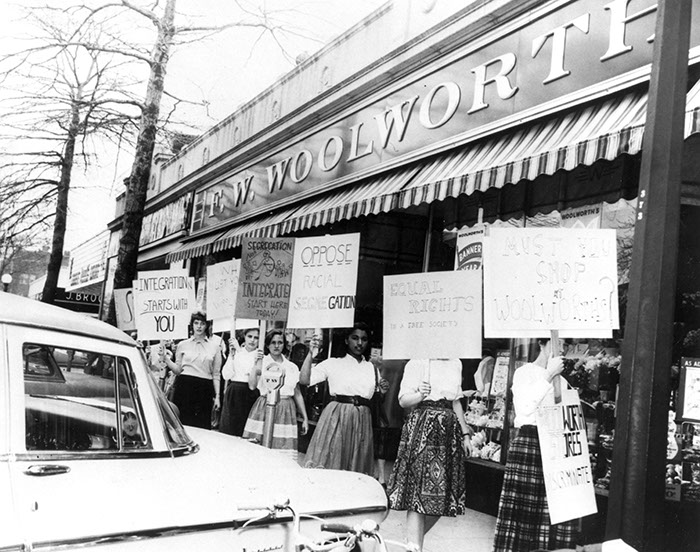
{"points": [[587, 43]]}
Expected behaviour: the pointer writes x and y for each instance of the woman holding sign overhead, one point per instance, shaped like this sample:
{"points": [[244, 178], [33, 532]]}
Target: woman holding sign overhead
{"points": [[429, 479], [523, 516], [198, 367], [343, 438]]}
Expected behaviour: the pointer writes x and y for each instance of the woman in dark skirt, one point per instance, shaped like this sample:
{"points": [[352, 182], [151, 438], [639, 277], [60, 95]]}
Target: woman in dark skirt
{"points": [[428, 479], [343, 437], [523, 516], [198, 367]]}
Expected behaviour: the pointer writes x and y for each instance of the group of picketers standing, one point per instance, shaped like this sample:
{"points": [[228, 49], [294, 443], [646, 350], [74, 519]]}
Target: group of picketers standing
{"points": [[428, 479]]}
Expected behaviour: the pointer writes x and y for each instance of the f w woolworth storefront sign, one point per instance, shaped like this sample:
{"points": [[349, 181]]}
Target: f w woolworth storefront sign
{"points": [[551, 57]]}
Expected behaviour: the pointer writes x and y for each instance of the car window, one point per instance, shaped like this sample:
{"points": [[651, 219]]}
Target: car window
{"points": [[80, 401]]}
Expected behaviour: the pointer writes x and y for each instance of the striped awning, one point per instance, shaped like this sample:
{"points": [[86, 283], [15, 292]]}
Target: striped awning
{"points": [[378, 195], [261, 227], [193, 248], [603, 130]]}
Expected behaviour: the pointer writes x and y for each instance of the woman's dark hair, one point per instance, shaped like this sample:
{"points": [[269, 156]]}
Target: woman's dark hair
{"points": [[268, 339], [360, 326], [199, 315]]}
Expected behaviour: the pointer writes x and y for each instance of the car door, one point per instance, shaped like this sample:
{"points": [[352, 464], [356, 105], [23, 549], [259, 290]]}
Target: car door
{"points": [[90, 458]]}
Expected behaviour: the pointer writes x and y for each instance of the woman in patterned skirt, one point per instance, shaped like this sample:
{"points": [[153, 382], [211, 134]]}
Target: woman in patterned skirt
{"points": [[523, 516], [343, 436], [428, 479], [291, 402]]}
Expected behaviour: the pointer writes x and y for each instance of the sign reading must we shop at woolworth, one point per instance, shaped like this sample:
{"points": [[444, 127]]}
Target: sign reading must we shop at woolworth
{"points": [[433, 315], [542, 279], [265, 278]]}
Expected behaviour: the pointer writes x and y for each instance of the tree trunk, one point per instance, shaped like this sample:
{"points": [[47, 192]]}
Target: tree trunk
{"points": [[53, 269], [137, 183]]}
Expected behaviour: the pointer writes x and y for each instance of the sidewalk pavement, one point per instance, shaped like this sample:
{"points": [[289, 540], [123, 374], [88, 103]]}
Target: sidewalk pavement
{"points": [[472, 532]]}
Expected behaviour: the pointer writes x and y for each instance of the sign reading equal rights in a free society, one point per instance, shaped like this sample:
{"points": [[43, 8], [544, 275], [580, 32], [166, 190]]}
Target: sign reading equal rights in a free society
{"points": [[324, 282], [163, 303], [541, 279], [433, 315]]}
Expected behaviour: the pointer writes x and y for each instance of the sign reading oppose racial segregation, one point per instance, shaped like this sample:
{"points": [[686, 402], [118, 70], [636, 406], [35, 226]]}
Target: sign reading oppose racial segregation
{"points": [[565, 461], [433, 315], [541, 279], [324, 282], [163, 302], [265, 278]]}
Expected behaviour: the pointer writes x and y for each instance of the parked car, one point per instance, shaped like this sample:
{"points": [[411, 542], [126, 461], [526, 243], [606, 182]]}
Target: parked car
{"points": [[95, 455]]}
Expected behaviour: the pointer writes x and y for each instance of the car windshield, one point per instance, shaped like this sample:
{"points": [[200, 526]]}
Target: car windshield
{"points": [[174, 430]]}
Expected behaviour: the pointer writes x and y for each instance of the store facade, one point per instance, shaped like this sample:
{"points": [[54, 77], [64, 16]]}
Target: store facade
{"points": [[493, 113]]}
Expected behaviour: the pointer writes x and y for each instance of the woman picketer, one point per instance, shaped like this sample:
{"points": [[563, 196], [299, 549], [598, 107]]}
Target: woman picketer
{"points": [[428, 479], [291, 402], [238, 397], [197, 365], [523, 515], [343, 437]]}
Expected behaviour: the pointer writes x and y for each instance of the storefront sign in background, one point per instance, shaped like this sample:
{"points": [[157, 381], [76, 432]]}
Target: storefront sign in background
{"points": [[265, 278], [433, 315], [567, 468], [469, 250], [542, 279], [324, 282], [163, 303], [689, 398]]}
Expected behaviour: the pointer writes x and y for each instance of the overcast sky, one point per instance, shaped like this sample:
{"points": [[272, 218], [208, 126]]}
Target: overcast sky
{"points": [[226, 70]]}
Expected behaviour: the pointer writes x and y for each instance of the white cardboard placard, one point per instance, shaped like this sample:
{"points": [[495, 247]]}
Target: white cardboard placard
{"points": [[324, 282], [222, 287], [542, 279], [164, 301], [433, 315]]}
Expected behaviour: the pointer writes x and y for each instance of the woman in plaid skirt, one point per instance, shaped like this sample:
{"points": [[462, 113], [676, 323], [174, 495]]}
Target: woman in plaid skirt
{"points": [[523, 516], [429, 479]]}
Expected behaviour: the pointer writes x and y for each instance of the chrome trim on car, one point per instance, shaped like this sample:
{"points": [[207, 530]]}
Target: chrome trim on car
{"points": [[148, 534]]}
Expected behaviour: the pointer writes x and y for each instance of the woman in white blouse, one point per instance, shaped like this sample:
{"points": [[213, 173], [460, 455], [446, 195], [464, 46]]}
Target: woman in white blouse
{"points": [[343, 437], [523, 516], [428, 480], [291, 402]]}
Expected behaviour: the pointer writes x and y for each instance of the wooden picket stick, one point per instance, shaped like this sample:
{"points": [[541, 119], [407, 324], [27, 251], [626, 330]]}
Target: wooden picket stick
{"points": [[556, 382]]}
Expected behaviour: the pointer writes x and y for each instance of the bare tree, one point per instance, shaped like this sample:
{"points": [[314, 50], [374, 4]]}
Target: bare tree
{"points": [[59, 97], [168, 35]]}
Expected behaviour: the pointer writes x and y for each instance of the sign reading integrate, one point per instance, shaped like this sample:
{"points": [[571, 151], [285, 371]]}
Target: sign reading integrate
{"points": [[565, 462], [265, 278], [324, 282], [433, 315], [542, 279], [163, 302]]}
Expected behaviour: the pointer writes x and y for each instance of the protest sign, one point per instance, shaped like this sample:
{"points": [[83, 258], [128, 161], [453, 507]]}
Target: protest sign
{"points": [[469, 250], [324, 282], [124, 309], [432, 315], [222, 287], [265, 278], [565, 462], [163, 302], [540, 279]]}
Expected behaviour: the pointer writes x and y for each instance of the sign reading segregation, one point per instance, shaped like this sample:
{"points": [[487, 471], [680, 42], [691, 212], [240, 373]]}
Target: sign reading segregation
{"points": [[324, 281], [264, 283]]}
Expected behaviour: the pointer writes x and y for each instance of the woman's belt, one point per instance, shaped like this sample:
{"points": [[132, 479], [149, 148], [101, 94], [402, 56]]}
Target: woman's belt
{"points": [[440, 403], [351, 399]]}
